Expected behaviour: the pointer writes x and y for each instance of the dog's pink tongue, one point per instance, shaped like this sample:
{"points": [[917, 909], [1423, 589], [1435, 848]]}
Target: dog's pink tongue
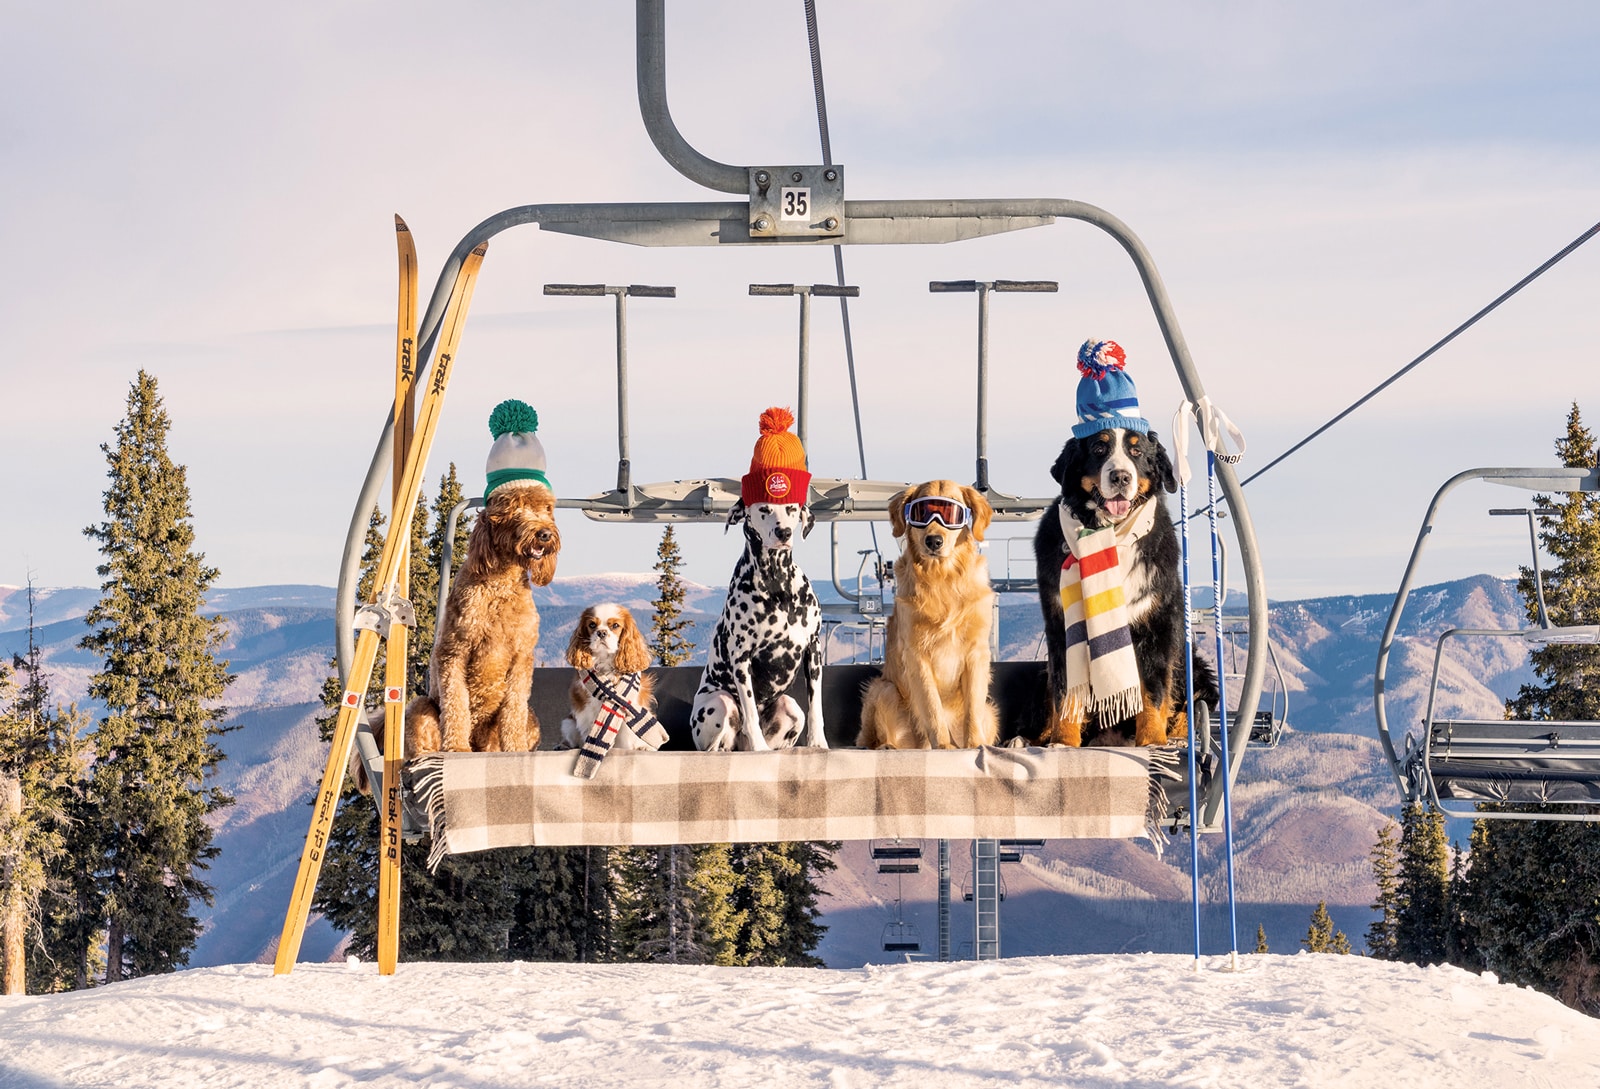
{"points": [[1118, 508]]}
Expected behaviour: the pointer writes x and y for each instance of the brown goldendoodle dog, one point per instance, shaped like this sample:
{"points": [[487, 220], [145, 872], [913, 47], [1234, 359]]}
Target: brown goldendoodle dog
{"points": [[482, 665], [934, 691]]}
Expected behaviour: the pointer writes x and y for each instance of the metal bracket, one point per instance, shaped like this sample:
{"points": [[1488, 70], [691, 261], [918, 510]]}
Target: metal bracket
{"points": [[797, 202], [383, 614]]}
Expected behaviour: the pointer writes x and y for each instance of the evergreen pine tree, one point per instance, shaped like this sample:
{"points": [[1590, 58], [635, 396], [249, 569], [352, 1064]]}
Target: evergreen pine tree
{"points": [[802, 931], [1532, 892], [1570, 672], [1461, 946], [155, 748], [549, 918], [597, 907], [656, 916], [764, 869], [716, 887], [667, 639], [1381, 933], [1322, 937], [1422, 921], [38, 772], [1261, 940]]}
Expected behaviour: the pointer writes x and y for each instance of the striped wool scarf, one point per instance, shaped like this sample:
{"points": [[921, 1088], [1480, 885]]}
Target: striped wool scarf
{"points": [[617, 712], [1102, 673]]}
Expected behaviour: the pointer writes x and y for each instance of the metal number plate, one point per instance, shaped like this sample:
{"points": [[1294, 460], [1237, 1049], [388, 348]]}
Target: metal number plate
{"points": [[794, 204], [797, 203]]}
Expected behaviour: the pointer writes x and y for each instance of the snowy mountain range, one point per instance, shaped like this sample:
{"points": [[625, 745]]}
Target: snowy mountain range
{"points": [[1307, 811]]}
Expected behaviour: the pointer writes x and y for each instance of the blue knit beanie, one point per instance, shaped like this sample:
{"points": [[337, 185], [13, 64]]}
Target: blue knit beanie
{"points": [[1106, 397]]}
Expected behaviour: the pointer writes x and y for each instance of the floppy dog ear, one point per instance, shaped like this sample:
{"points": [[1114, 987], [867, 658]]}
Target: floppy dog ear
{"points": [[579, 656], [982, 512], [807, 520], [1161, 470], [897, 510], [735, 516], [1062, 470], [633, 655]]}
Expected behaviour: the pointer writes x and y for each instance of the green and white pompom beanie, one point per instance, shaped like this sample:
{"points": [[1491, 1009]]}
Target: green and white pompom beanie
{"points": [[517, 453]]}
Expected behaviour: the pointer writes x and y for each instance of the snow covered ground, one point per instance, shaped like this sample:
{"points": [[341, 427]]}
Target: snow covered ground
{"points": [[1149, 1020]]}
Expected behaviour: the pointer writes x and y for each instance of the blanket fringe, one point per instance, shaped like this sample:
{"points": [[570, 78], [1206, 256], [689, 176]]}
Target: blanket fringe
{"points": [[1165, 764], [427, 786]]}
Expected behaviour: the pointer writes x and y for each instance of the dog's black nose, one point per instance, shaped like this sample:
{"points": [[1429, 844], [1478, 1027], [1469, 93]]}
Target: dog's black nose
{"points": [[1120, 478], [933, 542], [783, 533]]}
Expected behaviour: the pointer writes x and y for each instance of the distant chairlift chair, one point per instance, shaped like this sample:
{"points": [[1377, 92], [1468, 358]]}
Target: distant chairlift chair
{"points": [[899, 858], [1456, 763]]}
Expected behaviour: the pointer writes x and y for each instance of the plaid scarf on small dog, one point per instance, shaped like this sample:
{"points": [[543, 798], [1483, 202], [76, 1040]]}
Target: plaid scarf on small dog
{"points": [[1102, 672], [617, 710]]}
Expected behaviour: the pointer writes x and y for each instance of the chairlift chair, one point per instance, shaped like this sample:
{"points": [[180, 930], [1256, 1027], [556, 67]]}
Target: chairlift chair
{"points": [[897, 857], [1457, 763], [752, 214], [901, 937], [1266, 728]]}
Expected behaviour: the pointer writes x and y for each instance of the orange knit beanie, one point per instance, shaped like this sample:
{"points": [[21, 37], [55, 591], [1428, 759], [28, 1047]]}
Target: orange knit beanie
{"points": [[778, 466]]}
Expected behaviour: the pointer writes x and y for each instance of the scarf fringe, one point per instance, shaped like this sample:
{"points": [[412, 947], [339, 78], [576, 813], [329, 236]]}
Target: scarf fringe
{"points": [[1119, 705]]}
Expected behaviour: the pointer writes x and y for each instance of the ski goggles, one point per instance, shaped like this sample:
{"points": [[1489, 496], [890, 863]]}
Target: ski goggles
{"points": [[930, 508]]}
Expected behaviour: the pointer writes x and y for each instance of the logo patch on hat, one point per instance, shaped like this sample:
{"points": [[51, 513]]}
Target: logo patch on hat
{"points": [[778, 485]]}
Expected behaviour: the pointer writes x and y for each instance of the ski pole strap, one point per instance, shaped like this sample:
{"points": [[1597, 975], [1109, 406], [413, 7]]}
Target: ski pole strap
{"points": [[1216, 430], [1180, 441], [618, 711]]}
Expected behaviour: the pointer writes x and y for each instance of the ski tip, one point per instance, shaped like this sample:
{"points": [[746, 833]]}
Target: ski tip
{"points": [[400, 224], [480, 249]]}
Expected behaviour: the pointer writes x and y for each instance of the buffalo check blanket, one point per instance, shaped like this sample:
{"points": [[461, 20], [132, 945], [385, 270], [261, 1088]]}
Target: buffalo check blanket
{"points": [[478, 801]]}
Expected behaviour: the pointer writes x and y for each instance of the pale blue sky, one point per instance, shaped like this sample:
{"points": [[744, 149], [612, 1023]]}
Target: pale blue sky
{"points": [[1326, 189]]}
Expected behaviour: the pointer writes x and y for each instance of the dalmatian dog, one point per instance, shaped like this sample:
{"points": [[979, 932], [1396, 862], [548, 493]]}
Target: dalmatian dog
{"points": [[769, 629]]}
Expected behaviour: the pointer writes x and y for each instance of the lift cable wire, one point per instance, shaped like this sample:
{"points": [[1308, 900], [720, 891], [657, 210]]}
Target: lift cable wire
{"points": [[838, 250], [1457, 331]]}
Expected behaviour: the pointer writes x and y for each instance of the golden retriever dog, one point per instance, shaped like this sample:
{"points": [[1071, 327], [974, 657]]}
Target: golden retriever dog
{"points": [[934, 690], [608, 642], [482, 665]]}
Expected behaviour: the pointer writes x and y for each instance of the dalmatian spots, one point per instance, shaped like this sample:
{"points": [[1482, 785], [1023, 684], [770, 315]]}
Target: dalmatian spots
{"points": [[769, 631]]}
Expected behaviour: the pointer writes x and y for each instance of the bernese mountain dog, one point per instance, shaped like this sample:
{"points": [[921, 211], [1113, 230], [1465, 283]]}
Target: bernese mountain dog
{"points": [[1116, 477]]}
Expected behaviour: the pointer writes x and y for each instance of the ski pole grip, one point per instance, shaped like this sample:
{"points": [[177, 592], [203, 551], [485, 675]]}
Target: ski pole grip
{"points": [[938, 286], [836, 291], [574, 289], [1026, 285], [646, 291], [772, 289]]}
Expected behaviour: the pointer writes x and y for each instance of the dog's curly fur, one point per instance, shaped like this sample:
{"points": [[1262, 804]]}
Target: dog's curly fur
{"points": [[608, 641], [934, 690], [482, 665], [1105, 479]]}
